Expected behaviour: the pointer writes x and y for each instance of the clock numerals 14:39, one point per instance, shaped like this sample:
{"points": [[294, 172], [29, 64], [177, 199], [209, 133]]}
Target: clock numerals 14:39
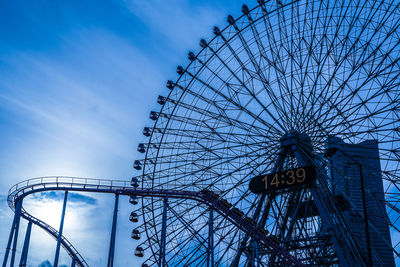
{"points": [[293, 178]]}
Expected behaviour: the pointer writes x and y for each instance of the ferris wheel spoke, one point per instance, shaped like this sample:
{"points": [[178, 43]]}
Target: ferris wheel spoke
{"points": [[233, 241], [311, 53], [386, 88], [217, 116], [358, 64], [250, 92], [230, 100], [214, 102], [220, 177], [187, 147], [222, 238], [231, 123], [185, 242], [296, 59], [207, 161], [176, 233], [257, 72], [305, 26], [208, 132], [275, 58], [190, 261], [234, 147], [185, 250], [375, 128], [357, 108], [280, 72], [288, 49], [188, 226], [191, 252], [314, 97], [350, 97], [344, 118], [328, 18], [267, 163]]}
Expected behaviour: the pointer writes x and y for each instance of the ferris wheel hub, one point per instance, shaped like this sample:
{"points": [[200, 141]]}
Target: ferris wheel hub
{"points": [[295, 138]]}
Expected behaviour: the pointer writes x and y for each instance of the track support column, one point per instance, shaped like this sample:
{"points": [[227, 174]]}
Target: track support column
{"points": [[60, 230], [24, 255], [163, 233], [73, 263], [16, 227], [210, 260], [13, 233], [113, 233]]}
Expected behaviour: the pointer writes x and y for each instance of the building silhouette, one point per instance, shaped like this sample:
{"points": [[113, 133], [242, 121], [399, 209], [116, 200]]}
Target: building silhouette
{"points": [[351, 163]]}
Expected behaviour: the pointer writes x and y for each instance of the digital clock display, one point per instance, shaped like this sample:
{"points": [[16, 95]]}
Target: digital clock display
{"points": [[287, 179]]}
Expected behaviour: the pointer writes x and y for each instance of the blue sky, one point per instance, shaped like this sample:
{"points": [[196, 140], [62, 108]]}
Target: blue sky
{"points": [[77, 82]]}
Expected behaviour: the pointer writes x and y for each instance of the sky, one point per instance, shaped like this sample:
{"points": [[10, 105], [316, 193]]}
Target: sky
{"points": [[78, 79]]}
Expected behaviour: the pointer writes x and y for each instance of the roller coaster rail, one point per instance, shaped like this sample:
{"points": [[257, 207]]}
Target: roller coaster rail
{"points": [[121, 187]]}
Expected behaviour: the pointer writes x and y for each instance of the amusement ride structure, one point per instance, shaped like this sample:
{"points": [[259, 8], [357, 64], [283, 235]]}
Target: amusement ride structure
{"points": [[278, 145]]}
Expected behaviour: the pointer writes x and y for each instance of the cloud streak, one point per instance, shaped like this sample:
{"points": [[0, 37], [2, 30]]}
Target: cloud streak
{"points": [[58, 196]]}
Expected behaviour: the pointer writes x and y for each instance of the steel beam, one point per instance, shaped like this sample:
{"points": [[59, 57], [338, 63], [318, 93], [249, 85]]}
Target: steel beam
{"points": [[210, 260], [113, 233], [163, 233], [16, 227], [255, 247], [10, 238], [56, 257], [24, 254]]}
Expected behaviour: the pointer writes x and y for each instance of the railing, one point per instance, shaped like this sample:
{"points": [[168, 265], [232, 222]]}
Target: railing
{"points": [[68, 180], [71, 182]]}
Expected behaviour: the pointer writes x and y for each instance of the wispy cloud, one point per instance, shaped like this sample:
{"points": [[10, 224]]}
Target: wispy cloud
{"points": [[92, 100], [179, 22], [72, 197]]}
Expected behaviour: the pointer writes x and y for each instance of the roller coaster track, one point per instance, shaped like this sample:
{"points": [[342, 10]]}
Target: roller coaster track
{"points": [[25, 188]]}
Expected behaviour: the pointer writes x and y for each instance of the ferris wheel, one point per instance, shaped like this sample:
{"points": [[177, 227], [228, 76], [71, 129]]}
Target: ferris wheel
{"points": [[303, 99]]}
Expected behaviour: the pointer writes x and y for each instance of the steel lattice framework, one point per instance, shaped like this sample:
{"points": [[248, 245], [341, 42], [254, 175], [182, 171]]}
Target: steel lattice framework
{"points": [[265, 94]]}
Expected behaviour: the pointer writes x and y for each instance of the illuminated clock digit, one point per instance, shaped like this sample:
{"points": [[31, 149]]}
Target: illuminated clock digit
{"points": [[291, 179], [275, 180], [265, 180], [301, 173]]}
